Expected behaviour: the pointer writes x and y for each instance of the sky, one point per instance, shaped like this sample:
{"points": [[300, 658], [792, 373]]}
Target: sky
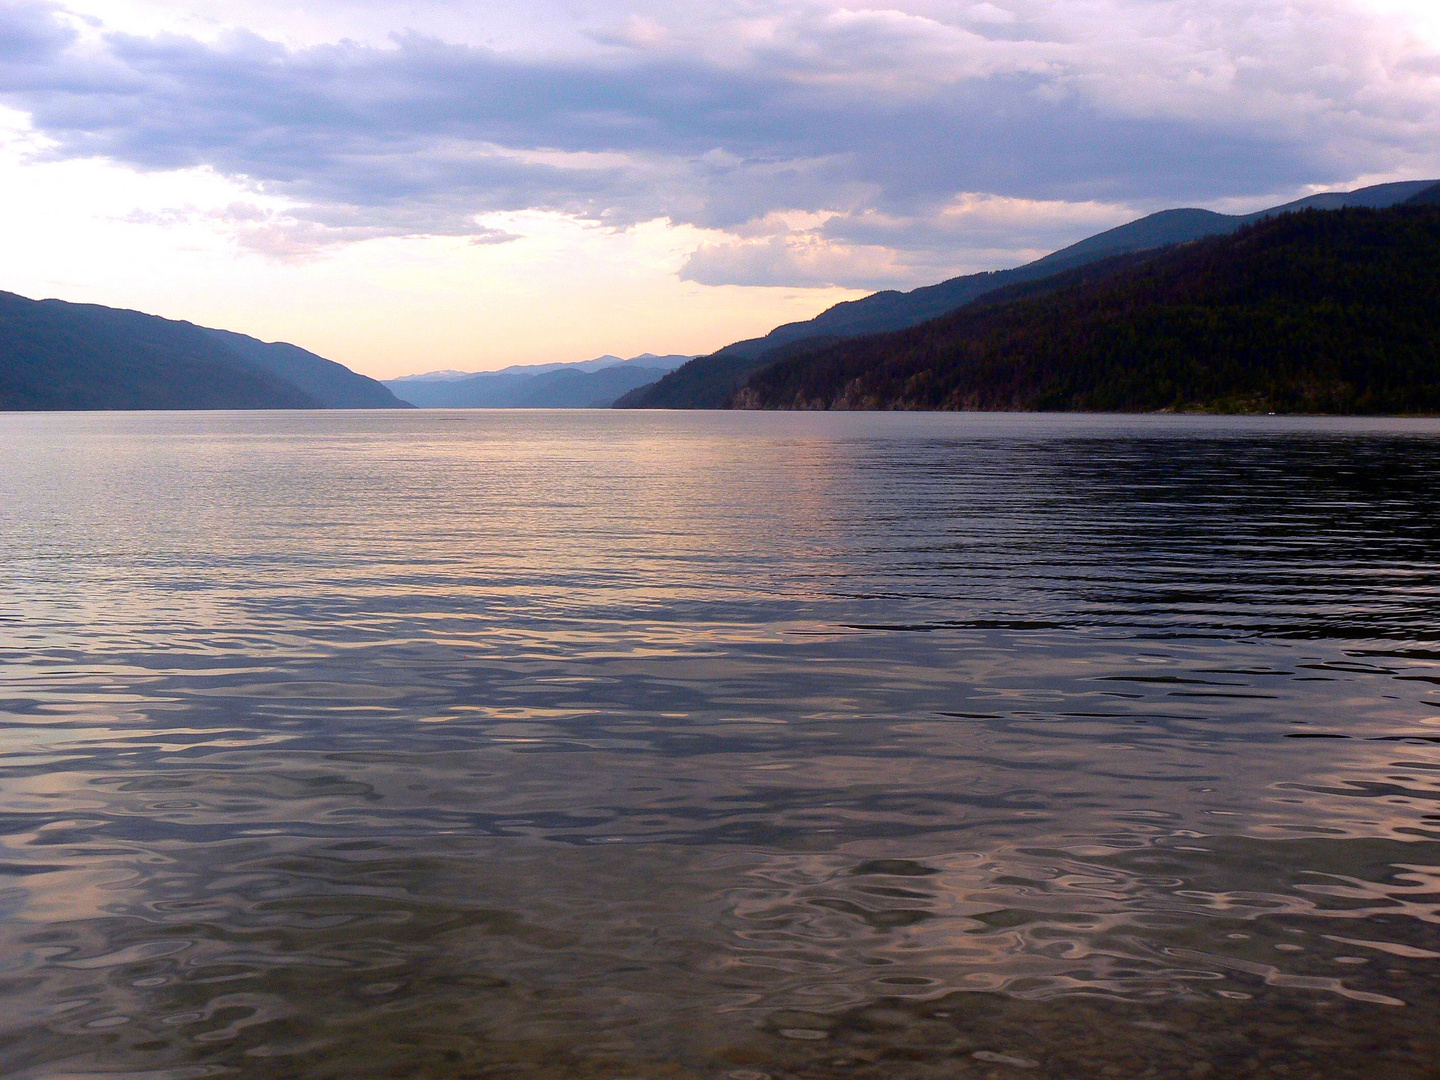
{"points": [[408, 185]]}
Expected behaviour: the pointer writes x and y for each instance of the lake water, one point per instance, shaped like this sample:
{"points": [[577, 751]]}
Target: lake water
{"points": [[731, 746]]}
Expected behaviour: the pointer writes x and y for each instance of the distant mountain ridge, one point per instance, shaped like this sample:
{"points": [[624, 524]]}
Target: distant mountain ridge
{"points": [[608, 360], [711, 381], [1322, 311], [587, 384], [58, 355]]}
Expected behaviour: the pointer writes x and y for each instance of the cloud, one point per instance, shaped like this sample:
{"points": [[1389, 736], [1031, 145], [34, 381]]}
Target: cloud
{"points": [[796, 259], [32, 34], [298, 234], [877, 119], [637, 32], [874, 250], [991, 222]]}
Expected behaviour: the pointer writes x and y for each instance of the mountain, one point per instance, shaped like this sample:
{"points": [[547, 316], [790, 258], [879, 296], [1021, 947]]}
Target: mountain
{"points": [[591, 384], [1429, 197], [333, 385], [710, 381], [55, 355], [1323, 311]]}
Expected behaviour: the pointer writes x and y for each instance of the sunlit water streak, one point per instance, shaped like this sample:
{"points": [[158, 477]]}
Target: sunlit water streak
{"points": [[591, 744]]}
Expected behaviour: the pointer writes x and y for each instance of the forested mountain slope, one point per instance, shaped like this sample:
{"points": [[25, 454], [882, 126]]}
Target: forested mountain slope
{"points": [[56, 355], [333, 385], [1318, 311], [710, 381]]}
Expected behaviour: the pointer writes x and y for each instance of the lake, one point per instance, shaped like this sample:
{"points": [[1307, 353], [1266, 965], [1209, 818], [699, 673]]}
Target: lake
{"points": [[733, 746]]}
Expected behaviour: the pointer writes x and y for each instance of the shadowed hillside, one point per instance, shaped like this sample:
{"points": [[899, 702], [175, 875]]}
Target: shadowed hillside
{"points": [[333, 385], [55, 355], [1319, 311], [710, 381]]}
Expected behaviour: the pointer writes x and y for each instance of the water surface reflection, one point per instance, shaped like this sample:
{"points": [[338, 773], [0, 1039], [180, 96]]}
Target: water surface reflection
{"points": [[639, 744]]}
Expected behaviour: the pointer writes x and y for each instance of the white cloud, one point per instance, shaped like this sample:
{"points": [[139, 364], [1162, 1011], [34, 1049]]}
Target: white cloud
{"points": [[636, 32], [971, 232], [804, 259]]}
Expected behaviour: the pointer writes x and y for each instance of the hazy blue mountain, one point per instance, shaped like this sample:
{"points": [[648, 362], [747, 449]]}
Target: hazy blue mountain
{"points": [[333, 385], [570, 389], [56, 355], [1328, 311], [710, 381], [587, 384]]}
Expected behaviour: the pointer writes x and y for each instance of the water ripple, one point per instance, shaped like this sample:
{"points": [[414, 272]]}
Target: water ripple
{"points": [[724, 746]]}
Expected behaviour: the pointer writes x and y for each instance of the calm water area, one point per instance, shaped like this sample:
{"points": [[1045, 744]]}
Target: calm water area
{"points": [[727, 746]]}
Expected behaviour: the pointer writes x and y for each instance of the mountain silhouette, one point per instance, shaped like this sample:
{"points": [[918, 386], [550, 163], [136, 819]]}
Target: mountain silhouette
{"points": [[1329, 311], [710, 381], [57, 355], [594, 384]]}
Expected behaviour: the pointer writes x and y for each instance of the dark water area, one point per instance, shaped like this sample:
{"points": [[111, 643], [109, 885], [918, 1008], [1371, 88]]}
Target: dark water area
{"points": [[642, 745]]}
